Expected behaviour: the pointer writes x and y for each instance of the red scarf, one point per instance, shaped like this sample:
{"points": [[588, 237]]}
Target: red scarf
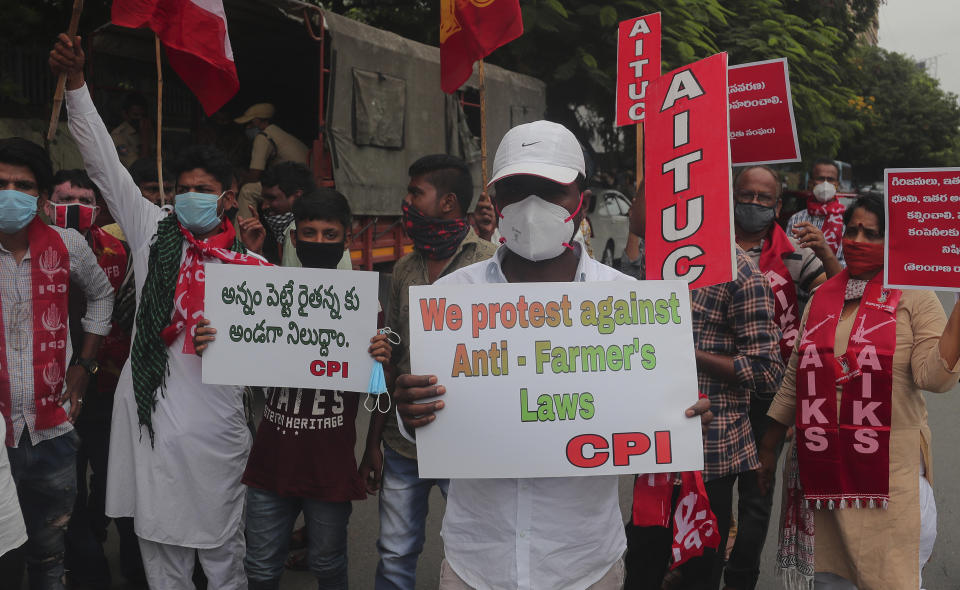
{"points": [[846, 459], [188, 297], [112, 258], [694, 524], [833, 223], [786, 310], [50, 286]]}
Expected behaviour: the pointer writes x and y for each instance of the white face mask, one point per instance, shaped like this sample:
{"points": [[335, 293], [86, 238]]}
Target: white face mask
{"points": [[824, 192], [536, 229]]}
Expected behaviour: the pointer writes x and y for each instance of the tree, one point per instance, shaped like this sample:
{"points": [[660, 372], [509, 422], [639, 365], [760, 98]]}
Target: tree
{"points": [[907, 119]]}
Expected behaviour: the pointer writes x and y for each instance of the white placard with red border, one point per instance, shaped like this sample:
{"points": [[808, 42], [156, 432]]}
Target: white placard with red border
{"points": [[923, 228], [290, 327], [557, 379]]}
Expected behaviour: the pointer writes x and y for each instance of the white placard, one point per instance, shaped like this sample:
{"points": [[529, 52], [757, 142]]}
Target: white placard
{"points": [[557, 379], [291, 327]]}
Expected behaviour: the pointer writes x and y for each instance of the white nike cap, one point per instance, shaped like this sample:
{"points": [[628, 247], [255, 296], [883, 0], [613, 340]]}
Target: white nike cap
{"points": [[541, 148]]}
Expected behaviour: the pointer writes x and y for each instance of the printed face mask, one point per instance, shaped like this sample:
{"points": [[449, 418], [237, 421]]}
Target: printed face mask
{"points": [[17, 209], [197, 211], [74, 216], [824, 192], [319, 254], [278, 224], [436, 239], [536, 229], [752, 217]]}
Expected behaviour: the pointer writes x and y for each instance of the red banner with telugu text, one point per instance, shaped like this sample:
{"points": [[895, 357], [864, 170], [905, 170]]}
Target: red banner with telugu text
{"points": [[638, 64], [762, 126], [687, 172]]}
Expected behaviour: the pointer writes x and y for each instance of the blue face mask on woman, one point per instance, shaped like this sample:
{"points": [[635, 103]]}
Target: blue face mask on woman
{"points": [[17, 209], [197, 211]]}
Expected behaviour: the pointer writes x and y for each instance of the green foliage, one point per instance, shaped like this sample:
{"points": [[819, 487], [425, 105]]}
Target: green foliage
{"points": [[906, 119]]}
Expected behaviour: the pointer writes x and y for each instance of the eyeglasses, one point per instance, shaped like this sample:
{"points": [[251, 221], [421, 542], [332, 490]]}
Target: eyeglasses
{"points": [[745, 196]]}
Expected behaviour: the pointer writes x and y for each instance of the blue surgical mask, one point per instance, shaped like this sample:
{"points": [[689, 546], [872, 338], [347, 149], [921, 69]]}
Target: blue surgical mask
{"points": [[197, 211], [16, 210]]}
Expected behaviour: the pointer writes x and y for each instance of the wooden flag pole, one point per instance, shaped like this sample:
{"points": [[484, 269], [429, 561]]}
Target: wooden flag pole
{"points": [[483, 128], [639, 154], [163, 193], [62, 79]]}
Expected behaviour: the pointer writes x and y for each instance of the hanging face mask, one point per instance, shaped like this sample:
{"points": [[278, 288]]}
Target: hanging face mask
{"points": [[536, 229], [319, 254], [278, 224], [824, 192], [17, 209], [375, 400], [435, 238], [197, 211], [752, 217], [74, 216]]}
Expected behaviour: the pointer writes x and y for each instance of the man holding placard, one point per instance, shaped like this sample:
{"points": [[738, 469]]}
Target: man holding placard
{"points": [[166, 422], [510, 532]]}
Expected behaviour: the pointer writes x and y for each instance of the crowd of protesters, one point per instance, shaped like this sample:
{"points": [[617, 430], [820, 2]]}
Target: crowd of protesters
{"points": [[106, 418]]}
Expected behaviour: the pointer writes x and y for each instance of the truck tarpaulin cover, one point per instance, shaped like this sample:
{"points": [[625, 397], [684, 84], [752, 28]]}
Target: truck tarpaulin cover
{"points": [[374, 178]]}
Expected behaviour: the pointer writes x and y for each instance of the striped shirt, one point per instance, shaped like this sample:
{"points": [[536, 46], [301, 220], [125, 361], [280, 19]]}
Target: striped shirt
{"points": [[802, 216], [17, 305]]}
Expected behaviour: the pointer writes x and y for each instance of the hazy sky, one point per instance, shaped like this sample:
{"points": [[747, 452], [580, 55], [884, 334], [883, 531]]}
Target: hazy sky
{"points": [[925, 29]]}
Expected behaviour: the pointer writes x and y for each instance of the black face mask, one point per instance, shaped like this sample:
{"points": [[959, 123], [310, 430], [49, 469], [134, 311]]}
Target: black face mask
{"points": [[752, 217], [320, 254]]}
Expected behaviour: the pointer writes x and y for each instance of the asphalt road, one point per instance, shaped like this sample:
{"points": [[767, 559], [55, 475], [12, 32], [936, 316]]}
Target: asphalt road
{"points": [[942, 573]]}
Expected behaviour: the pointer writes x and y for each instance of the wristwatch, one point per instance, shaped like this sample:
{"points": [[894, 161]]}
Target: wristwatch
{"points": [[91, 365]]}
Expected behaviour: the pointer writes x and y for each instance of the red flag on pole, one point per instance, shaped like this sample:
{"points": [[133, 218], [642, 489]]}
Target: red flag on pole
{"points": [[471, 30], [194, 33]]}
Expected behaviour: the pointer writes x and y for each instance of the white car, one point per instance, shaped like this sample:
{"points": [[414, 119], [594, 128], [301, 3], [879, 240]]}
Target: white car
{"points": [[608, 214]]}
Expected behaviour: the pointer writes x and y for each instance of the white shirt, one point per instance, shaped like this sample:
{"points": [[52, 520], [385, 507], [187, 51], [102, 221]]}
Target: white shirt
{"points": [[537, 533], [186, 489], [12, 531]]}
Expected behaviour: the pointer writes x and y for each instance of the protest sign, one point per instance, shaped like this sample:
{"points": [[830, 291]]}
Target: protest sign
{"points": [[762, 128], [291, 327], [688, 176], [557, 379], [638, 63], [923, 228]]}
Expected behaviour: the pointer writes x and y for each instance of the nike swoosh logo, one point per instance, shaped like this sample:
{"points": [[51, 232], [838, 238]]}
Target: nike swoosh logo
{"points": [[529, 144]]}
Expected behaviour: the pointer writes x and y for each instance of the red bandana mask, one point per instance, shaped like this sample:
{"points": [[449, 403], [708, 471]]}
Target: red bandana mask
{"points": [[73, 216], [863, 257]]}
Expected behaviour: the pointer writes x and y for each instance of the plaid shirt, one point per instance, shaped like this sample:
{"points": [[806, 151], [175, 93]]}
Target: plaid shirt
{"points": [[17, 308], [736, 319]]}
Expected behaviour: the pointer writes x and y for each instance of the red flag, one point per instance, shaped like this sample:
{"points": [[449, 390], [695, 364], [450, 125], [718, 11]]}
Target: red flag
{"points": [[471, 30], [194, 33]]}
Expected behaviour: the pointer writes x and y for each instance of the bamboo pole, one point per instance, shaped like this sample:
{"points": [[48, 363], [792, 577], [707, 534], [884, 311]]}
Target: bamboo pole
{"points": [[483, 127], [163, 193], [639, 153], [62, 79]]}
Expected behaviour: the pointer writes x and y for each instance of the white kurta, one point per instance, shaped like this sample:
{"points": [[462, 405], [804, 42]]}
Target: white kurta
{"points": [[186, 489]]}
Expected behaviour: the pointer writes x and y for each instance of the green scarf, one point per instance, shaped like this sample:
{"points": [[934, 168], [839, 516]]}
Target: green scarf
{"points": [[148, 356]]}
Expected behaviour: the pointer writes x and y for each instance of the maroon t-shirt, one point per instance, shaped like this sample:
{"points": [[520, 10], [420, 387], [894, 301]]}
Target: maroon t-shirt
{"points": [[304, 446]]}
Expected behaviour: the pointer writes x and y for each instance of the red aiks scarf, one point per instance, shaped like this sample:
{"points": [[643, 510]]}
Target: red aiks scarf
{"points": [[694, 524], [832, 224], [845, 459], [112, 258], [188, 297], [786, 310], [50, 286]]}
